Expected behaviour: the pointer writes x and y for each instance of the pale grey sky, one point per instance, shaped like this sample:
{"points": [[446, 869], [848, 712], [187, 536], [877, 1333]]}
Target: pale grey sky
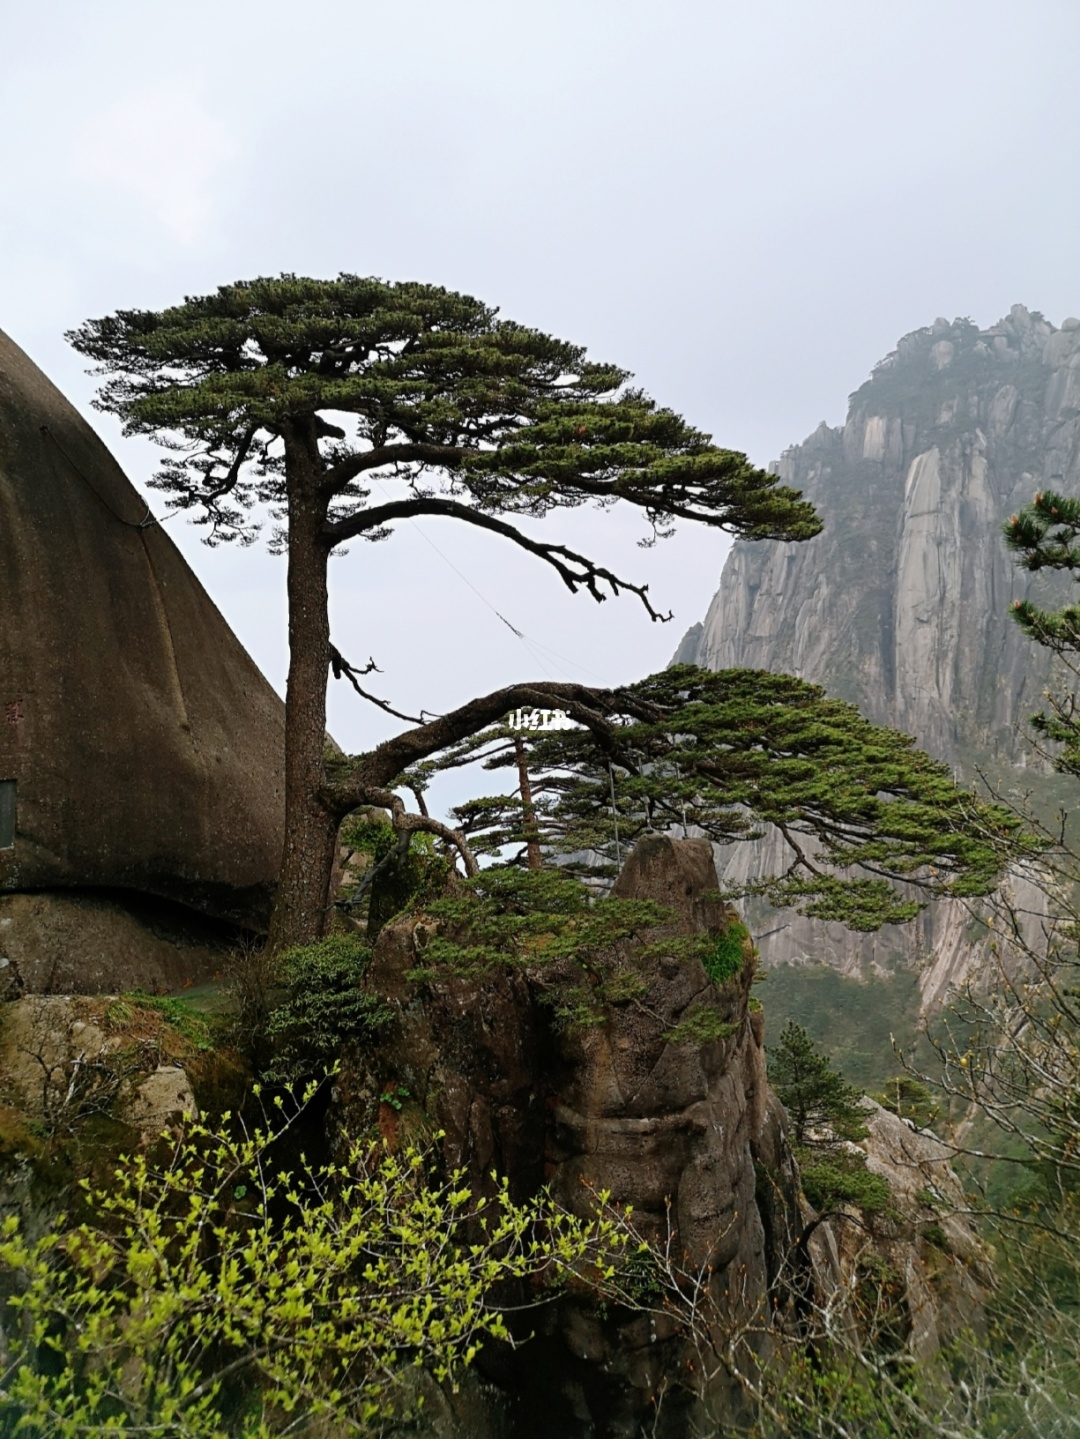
{"points": [[747, 204]]}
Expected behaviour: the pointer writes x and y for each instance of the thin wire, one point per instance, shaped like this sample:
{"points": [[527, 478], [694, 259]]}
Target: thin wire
{"points": [[572, 663], [532, 645], [147, 521]]}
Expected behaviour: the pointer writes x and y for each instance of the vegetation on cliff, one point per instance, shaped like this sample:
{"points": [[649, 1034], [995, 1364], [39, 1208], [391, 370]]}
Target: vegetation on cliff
{"points": [[727, 753], [219, 1285], [210, 1292], [468, 417]]}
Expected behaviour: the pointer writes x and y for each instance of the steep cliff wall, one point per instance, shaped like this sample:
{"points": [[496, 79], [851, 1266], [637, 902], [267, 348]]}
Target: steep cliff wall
{"points": [[901, 604], [624, 1106], [141, 749]]}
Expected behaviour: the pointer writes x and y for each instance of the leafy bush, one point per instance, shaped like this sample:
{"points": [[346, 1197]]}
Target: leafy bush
{"points": [[702, 1025], [214, 1297], [727, 957], [325, 1006], [841, 1177]]}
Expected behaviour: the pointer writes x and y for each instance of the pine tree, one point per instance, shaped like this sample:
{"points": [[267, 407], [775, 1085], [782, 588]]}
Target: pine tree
{"points": [[466, 416], [859, 809], [1045, 535], [813, 1093]]}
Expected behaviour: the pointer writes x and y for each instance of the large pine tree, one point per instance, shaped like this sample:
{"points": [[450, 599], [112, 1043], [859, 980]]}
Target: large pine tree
{"points": [[295, 396]]}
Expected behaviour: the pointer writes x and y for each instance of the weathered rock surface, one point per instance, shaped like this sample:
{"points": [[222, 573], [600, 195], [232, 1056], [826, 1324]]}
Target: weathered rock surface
{"points": [[145, 746], [79, 942], [617, 1106], [941, 1270], [901, 604], [66, 1058], [162, 1098]]}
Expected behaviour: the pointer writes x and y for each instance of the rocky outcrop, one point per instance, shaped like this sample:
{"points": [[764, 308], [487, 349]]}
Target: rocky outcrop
{"points": [[928, 1244], [140, 748], [82, 942], [901, 605], [679, 1128], [66, 1060]]}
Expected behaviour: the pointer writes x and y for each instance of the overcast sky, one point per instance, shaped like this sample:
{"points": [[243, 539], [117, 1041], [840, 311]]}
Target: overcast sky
{"points": [[744, 203]]}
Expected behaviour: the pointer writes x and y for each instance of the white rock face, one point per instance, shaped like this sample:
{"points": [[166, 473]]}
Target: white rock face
{"points": [[901, 605], [934, 1247]]}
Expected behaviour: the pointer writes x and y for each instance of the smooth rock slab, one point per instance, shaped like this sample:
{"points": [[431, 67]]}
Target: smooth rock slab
{"points": [[145, 747]]}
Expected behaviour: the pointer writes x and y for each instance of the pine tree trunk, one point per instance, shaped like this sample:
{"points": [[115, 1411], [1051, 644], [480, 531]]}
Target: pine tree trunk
{"points": [[534, 858], [300, 907]]}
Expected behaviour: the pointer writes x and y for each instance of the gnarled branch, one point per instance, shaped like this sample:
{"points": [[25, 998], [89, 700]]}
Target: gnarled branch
{"points": [[576, 571]]}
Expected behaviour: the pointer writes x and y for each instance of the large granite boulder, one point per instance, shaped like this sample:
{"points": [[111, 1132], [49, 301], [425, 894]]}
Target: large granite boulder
{"points": [[82, 942], [140, 747]]}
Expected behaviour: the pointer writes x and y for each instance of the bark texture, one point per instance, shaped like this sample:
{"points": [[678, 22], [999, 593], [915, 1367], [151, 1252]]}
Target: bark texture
{"points": [[300, 910]]}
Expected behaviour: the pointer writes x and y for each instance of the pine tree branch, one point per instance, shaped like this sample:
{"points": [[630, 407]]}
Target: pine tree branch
{"points": [[576, 571]]}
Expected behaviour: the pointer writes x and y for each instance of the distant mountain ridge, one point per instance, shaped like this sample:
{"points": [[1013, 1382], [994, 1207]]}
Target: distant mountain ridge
{"points": [[901, 604]]}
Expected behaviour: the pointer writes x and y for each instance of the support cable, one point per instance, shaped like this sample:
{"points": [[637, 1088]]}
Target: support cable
{"points": [[147, 520]]}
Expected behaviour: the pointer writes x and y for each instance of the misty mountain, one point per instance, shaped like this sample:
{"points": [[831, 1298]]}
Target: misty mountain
{"points": [[901, 604]]}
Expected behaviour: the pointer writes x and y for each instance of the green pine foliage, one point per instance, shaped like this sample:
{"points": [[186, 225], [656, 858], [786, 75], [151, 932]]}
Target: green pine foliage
{"points": [[908, 1097], [324, 1007], [826, 1115], [581, 953], [397, 880], [522, 421], [872, 824], [1045, 535], [703, 1024], [838, 1178], [815, 1096]]}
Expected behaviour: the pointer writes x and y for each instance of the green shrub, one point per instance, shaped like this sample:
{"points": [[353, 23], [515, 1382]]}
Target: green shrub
{"points": [[325, 1006], [841, 1177], [208, 1295], [727, 957], [702, 1025], [583, 955], [934, 1235]]}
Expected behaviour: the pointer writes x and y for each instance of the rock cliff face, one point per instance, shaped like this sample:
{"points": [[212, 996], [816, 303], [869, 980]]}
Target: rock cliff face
{"points": [[901, 604], [929, 1242], [617, 1106], [140, 748]]}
